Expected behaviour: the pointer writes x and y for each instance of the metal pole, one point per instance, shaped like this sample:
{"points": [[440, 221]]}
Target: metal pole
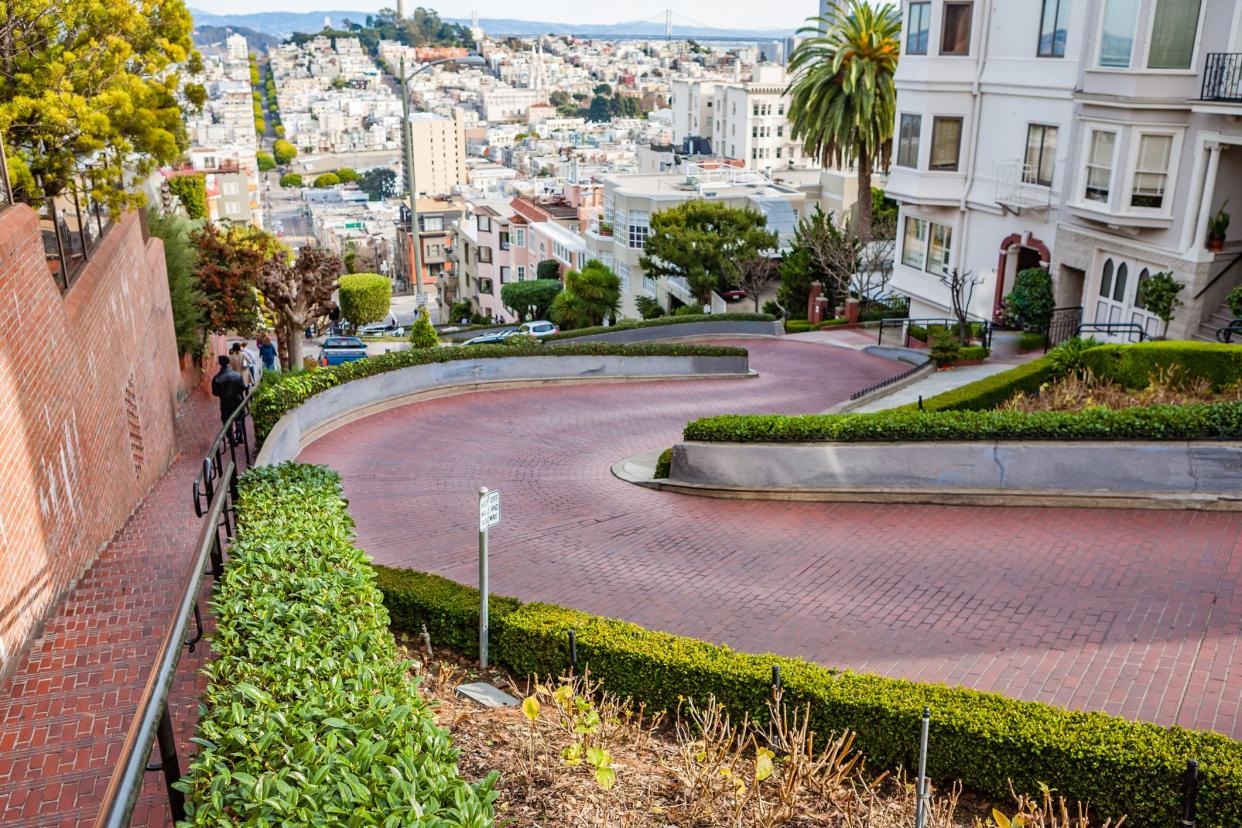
{"points": [[573, 654], [408, 134], [1190, 792], [169, 764], [482, 588], [921, 813]]}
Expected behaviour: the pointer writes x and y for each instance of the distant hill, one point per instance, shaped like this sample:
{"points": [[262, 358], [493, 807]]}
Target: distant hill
{"points": [[256, 40], [284, 24]]}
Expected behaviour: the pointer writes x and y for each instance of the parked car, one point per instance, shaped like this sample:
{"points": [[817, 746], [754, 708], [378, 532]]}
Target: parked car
{"points": [[388, 327], [491, 337], [340, 349], [733, 295], [538, 329]]}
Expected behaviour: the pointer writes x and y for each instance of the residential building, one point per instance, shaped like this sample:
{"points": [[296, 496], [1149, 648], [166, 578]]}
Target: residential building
{"points": [[511, 104], [435, 232], [1088, 138], [235, 47], [439, 147]]}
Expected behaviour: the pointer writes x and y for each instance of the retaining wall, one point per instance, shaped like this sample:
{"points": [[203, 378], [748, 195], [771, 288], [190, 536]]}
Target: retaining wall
{"points": [[728, 327], [337, 406]]}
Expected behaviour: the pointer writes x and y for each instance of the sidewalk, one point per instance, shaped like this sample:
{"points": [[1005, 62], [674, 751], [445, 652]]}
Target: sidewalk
{"points": [[64, 715]]}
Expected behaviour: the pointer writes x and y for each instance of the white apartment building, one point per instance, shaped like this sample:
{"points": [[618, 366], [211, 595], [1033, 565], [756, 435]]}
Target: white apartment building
{"points": [[1090, 138], [504, 103], [235, 47], [439, 146]]}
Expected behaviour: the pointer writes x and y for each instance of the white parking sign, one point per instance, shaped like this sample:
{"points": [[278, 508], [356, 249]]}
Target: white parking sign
{"points": [[489, 510]]}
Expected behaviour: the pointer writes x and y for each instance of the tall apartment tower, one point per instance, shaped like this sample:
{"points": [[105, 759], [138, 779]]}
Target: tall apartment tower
{"points": [[401, 9], [1092, 138]]}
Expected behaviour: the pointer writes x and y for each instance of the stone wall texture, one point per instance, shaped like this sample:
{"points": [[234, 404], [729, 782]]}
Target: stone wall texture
{"points": [[88, 394]]}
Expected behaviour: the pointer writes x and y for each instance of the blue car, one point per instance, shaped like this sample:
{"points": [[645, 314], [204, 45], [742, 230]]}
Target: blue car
{"points": [[340, 349]]}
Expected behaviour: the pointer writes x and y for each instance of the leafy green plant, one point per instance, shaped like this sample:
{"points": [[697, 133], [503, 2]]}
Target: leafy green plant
{"points": [[1133, 365], [793, 326], [327, 179], [291, 180], [1068, 358], [1158, 294], [346, 175], [309, 716], [1031, 340], [1030, 303], [689, 310], [422, 334], [184, 294], [664, 464], [364, 297], [284, 152], [459, 311], [591, 295], [1234, 300], [548, 269], [648, 308], [266, 161], [531, 299], [773, 308], [943, 346], [1218, 224], [191, 191]]}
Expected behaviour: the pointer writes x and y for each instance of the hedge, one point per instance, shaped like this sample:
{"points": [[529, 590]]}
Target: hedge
{"points": [[449, 610], [271, 401], [309, 717], [972, 352], [631, 324], [364, 297], [992, 391], [793, 326], [983, 739], [1214, 421], [1132, 365]]}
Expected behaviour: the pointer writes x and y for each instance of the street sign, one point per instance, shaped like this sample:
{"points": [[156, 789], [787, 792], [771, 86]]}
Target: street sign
{"points": [[489, 510]]}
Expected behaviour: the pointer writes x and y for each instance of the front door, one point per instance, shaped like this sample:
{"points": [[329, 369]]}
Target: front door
{"points": [[1117, 304]]}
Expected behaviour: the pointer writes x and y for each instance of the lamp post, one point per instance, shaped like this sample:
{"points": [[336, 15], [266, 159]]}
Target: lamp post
{"points": [[407, 136]]}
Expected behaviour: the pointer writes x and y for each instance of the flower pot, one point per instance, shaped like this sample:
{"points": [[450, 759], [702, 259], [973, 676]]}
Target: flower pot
{"points": [[1216, 243]]}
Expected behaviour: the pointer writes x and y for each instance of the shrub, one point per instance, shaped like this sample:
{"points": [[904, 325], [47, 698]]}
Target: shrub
{"points": [[773, 308], [327, 180], [917, 332], [1132, 365], [1031, 340], [291, 390], [1158, 294], [291, 180], [280, 131], [1234, 300], [266, 161], [284, 152], [184, 293], [970, 353], [548, 269], [530, 299], [630, 324], [1030, 303], [422, 334], [990, 392], [191, 191], [793, 326], [461, 310], [648, 308], [309, 714], [983, 739], [664, 464], [689, 310], [829, 323], [1067, 358], [943, 347], [346, 175], [364, 297]]}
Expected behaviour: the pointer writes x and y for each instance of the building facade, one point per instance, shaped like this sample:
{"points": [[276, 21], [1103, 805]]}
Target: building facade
{"points": [[439, 147]]}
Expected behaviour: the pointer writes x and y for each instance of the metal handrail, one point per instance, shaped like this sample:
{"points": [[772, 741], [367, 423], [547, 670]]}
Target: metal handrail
{"points": [[1216, 278], [904, 324], [1228, 332], [1114, 328], [213, 463], [152, 721], [862, 392]]}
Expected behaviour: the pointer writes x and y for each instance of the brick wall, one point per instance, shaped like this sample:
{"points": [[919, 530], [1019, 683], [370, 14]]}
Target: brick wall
{"points": [[88, 384]]}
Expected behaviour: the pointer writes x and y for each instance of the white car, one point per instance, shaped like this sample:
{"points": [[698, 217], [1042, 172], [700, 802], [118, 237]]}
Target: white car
{"points": [[388, 328], [538, 329]]}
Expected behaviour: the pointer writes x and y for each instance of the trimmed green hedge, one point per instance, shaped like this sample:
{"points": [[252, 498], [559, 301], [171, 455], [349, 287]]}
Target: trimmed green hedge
{"points": [[1160, 422], [972, 352], [1132, 365], [983, 739], [289, 391], [309, 717], [793, 326], [660, 321], [992, 391], [365, 297], [450, 610], [664, 464]]}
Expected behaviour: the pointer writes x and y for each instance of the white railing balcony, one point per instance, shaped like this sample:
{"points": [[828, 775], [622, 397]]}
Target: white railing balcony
{"points": [[1016, 187]]}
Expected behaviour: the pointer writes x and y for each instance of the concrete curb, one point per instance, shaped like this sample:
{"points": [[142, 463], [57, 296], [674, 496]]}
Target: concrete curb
{"points": [[638, 469], [846, 406]]}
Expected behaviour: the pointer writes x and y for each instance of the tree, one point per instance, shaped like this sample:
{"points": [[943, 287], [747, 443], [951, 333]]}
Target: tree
{"points": [[229, 264], [284, 152], [291, 180], [600, 110], [842, 98], [191, 191], [755, 275], [530, 300], [297, 292], [796, 273], [1030, 303], [327, 180], [379, 183], [93, 82], [184, 294], [961, 285], [365, 297], [1158, 294], [602, 90], [590, 296], [346, 175], [548, 269], [280, 130], [648, 308], [702, 242], [461, 310], [422, 334], [266, 161]]}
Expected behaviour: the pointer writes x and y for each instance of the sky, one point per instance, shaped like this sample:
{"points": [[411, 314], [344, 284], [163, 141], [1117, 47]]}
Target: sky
{"points": [[730, 14]]}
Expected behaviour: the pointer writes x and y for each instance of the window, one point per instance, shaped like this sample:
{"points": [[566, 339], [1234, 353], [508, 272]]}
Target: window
{"points": [[1119, 289], [506, 274], [1052, 28], [1041, 153], [504, 240], [955, 34], [431, 223], [232, 208], [1100, 166], [914, 246], [1173, 30], [946, 143], [1106, 279], [938, 255], [1144, 275], [917, 21], [519, 237], [521, 272], [639, 228], [485, 224], [230, 188], [918, 253], [649, 285], [780, 130], [624, 275], [1151, 171], [908, 140], [1117, 33], [484, 255]]}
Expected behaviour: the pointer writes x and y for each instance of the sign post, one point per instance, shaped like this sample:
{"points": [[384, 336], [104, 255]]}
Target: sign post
{"points": [[489, 515]]}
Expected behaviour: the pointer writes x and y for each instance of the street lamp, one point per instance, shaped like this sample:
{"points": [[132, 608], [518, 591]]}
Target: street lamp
{"points": [[407, 135]]}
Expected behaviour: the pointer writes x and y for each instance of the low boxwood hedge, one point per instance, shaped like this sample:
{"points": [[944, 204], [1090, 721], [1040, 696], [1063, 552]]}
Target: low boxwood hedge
{"points": [[1213, 421], [983, 739], [972, 352], [450, 610], [992, 391], [660, 321], [1133, 365], [309, 717], [272, 400]]}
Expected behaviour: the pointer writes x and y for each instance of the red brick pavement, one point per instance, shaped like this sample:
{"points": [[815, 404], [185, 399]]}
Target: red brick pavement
{"points": [[1132, 612], [65, 713]]}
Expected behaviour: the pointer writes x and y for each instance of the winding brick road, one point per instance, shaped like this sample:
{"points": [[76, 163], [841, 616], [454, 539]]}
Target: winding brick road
{"points": [[1132, 612]]}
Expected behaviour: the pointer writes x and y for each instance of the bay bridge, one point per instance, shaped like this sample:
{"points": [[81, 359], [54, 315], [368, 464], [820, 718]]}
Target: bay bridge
{"points": [[676, 27]]}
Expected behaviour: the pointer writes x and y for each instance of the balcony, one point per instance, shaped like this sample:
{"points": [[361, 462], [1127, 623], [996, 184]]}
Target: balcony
{"points": [[1222, 78], [1016, 187]]}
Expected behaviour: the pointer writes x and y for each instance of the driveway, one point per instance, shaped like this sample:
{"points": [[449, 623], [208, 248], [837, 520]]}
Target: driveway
{"points": [[1132, 612]]}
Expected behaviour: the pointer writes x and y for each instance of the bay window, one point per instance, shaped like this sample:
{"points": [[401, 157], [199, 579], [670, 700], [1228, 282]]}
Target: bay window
{"points": [[1099, 168], [1117, 33], [955, 32], [1151, 170], [908, 140], [938, 253], [1174, 25], [926, 245], [914, 243], [946, 143]]}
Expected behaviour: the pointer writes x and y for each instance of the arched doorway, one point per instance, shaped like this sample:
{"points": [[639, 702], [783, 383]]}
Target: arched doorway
{"points": [[1017, 253]]}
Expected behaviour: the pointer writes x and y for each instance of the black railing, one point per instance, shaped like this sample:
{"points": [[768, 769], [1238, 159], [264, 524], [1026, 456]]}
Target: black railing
{"points": [[1227, 333], [6, 187], [234, 434], [862, 392], [1217, 277], [73, 224], [1222, 77], [1062, 325], [1129, 329], [152, 723], [903, 325]]}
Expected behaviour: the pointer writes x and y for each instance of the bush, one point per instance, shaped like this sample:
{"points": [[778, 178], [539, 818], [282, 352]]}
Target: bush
{"points": [[184, 293], [664, 464], [530, 299], [917, 332], [829, 323], [422, 334], [346, 175], [1132, 365], [648, 308], [461, 310], [793, 326], [689, 310], [972, 353], [943, 347], [630, 324], [773, 308], [284, 152], [291, 390], [266, 161], [364, 297], [191, 191], [308, 712], [1234, 300], [990, 392], [291, 180], [1213, 421], [1030, 303], [1031, 341], [548, 269], [983, 739], [1158, 294], [327, 180]]}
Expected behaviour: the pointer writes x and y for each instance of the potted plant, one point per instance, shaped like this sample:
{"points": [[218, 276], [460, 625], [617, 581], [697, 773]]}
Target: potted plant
{"points": [[1218, 225]]}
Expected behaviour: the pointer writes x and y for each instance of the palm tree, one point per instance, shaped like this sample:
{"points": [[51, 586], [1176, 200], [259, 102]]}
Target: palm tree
{"points": [[590, 296], [842, 100]]}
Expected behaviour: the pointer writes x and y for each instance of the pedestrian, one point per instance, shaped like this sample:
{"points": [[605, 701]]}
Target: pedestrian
{"points": [[228, 386], [267, 352], [243, 363]]}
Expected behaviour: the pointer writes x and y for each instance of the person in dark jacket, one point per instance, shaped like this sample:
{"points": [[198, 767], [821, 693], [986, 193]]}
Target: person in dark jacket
{"points": [[228, 386]]}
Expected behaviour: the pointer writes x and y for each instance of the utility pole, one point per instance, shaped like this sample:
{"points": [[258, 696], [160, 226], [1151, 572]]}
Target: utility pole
{"points": [[416, 241]]}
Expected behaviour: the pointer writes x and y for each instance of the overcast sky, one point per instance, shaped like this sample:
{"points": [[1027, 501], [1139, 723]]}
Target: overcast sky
{"points": [[729, 14]]}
